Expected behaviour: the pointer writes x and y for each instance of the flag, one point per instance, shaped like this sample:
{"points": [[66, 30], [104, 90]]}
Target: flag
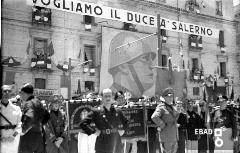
{"points": [[50, 50], [183, 65], [79, 88], [232, 93], [28, 48], [218, 72], [204, 93], [79, 54]]}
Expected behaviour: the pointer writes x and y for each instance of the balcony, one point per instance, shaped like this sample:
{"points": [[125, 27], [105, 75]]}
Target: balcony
{"points": [[41, 15], [41, 64], [197, 75]]}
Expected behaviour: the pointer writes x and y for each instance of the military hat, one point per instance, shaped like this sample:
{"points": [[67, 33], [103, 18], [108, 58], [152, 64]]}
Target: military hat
{"points": [[167, 91], [27, 88]]}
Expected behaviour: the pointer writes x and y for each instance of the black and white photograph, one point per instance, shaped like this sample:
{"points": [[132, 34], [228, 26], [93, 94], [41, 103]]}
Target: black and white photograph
{"points": [[120, 76]]}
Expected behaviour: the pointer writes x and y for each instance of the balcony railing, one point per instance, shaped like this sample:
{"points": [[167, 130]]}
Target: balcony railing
{"points": [[41, 64], [41, 15]]}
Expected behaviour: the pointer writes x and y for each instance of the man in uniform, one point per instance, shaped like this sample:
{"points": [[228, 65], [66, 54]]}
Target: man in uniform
{"points": [[110, 124], [56, 130], [165, 116], [33, 118], [10, 124], [223, 120]]}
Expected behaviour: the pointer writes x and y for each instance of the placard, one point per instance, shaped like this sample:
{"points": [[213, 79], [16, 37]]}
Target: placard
{"points": [[136, 125]]}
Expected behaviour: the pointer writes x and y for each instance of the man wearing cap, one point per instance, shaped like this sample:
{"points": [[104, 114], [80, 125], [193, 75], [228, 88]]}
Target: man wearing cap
{"points": [[10, 123], [56, 130], [223, 120], [165, 116], [110, 125], [33, 118]]}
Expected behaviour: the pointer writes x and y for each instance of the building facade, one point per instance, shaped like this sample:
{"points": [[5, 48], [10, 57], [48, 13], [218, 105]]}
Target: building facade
{"points": [[48, 47]]}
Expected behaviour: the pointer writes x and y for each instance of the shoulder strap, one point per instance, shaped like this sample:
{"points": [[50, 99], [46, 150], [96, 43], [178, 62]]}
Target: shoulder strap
{"points": [[6, 119]]}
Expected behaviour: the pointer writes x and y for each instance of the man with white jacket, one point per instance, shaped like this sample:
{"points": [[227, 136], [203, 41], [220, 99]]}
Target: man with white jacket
{"points": [[10, 123]]}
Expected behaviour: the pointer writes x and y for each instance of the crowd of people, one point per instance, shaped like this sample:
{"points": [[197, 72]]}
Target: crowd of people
{"points": [[36, 127]]}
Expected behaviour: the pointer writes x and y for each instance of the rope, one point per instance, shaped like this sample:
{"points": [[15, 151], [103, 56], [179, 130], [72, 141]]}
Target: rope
{"points": [[129, 43]]}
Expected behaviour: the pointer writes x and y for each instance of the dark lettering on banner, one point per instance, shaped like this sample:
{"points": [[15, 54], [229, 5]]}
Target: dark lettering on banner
{"points": [[137, 18], [71, 5], [88, 8], [135, 117], [64, 5], [191, 28], [98, 10], [180, 27], [129, 16], [144, 19], [209, 32], [116, 16], [45, 3], [77, 112], [79, 7], [203, 30], [185, 28], [174, 25], [197, 29], [151, 19], [56, 4], [163, 23]]}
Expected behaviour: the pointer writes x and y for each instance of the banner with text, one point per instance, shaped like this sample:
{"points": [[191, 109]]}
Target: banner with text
{"points": [[91, 9]]}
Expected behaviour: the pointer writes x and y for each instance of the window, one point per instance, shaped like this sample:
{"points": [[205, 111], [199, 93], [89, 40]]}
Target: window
{"points": [[40, 83], [221, 39], [223, 69], [89, 86], [90, 54], [164, 60], [195, 63], [196, 91], [88, 19], [219, 7], [40, 48], [41, 15], [195, 41]]}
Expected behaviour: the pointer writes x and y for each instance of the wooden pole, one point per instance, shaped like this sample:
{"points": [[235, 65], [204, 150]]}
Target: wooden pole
{"points": [[69, 77], [159, 41], [159, 57]]}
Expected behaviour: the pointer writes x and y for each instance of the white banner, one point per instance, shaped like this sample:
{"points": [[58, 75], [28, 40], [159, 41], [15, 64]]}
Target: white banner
{"points": [[91, 9]]}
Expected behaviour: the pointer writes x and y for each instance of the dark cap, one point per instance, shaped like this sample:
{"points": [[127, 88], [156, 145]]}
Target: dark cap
{"points": [[27, 88], [167, 91]]}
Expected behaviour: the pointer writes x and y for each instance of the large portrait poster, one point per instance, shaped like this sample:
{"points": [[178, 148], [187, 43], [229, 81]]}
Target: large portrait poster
{"points": [[128, 68], [132, 67]]}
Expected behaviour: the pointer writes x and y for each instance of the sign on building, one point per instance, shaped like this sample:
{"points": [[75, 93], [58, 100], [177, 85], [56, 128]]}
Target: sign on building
{"points": [[91, 9]]}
